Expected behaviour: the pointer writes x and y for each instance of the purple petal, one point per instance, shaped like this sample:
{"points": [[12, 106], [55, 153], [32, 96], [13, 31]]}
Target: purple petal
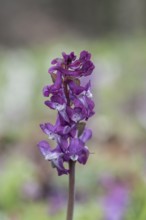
{"points": [[63, 114], [54, 88], [68, 58], [57, 102], [76, 114], [55, 105], [58, 82], [58, 99], [88, 105], [63, 142], [87, 68], [47, 128], [62, 130], [57, 61], [75, 147], [58, 163], [86, 135], [50, 104], [85, 55], [76, 89], [44, 148], [46, 91], [83, 155]]}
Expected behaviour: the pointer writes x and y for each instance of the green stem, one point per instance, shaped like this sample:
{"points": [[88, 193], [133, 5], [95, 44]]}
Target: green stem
{"points": [[71, 194]]}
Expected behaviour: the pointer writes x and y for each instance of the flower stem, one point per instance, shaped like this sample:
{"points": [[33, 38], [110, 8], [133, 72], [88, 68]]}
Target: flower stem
{"points": [[71, 194]]}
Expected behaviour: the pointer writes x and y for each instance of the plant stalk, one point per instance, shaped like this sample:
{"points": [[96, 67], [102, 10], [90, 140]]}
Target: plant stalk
{"points": [[71, 193]]}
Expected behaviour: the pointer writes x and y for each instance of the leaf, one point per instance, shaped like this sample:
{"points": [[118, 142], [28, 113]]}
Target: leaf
{"points": [[53, 76], [81, 127]]}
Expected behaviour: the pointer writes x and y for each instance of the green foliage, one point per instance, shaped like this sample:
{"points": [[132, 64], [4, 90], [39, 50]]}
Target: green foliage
{"points": [[137, 206], [89, 211], [34, 211], [12, 178]]}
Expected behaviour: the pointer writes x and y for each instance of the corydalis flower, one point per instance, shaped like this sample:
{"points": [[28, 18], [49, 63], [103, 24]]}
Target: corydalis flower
{"points": [[74, 105], [70, 66]]}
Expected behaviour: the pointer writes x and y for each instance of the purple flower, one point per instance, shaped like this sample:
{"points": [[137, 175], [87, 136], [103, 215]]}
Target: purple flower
{"points": [[71, 67], [77, 151], [75, 88], [85, 56], [55, 88], [57, 203], [55, 156], [68, 58], [86, 104], [74, 106], [81, 97], [76, 114], [59, 132], [86, 135], [57, 102]]}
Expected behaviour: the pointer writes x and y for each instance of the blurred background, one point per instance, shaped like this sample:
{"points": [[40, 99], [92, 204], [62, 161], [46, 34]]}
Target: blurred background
{"points": [[112, 186]]}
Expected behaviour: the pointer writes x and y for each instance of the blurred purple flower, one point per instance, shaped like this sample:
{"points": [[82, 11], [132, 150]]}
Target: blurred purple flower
{"points": [[116, 200], [56, 203], [31, 190]]}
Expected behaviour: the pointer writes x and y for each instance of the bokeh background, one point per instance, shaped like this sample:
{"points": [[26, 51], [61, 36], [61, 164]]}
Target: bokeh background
{"points": [[112, 186]]}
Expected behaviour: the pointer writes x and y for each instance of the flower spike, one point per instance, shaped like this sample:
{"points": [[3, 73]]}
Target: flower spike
{"points": [[74, 105]]}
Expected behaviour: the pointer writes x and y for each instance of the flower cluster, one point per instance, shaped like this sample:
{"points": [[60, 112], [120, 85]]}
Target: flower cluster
{"points": [[74, 105]]}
